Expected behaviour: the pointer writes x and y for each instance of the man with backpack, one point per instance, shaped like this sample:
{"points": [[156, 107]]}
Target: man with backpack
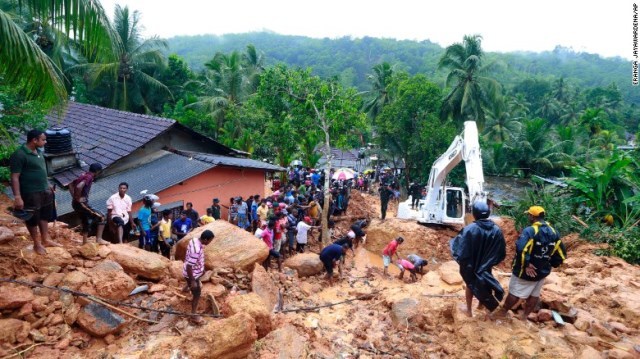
{"points": [[538, 249]]}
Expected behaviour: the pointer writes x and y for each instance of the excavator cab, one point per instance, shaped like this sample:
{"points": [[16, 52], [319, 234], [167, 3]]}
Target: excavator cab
{"points": [[454, 205]]}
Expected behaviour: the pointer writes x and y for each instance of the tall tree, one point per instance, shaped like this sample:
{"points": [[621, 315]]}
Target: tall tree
{"points": [[129, 74], [21, 58], [379, 94], [471, 90]]}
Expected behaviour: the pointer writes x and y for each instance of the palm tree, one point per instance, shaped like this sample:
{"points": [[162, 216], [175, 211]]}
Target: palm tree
{"points": [[21, 58], [253, 63], [471, 90], [380, 79], [549, 108], [500, 126], [128, 73], [539, 149]]}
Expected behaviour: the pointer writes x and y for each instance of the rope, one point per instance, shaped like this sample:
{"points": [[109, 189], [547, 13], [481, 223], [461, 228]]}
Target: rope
{"points": [[112, 302], [308, 309]]}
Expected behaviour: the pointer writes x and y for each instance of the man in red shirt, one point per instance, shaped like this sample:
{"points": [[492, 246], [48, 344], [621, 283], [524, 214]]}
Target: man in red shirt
{"points": [[389, 251]]}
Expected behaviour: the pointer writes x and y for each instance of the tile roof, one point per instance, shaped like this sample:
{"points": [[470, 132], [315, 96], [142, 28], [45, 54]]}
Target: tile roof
{"points": [[152, 176], [105, 135], [232, 161]]}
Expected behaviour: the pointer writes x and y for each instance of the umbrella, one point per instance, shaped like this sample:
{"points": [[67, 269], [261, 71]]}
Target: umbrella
{"points": [[343, 174], [368, 170]]}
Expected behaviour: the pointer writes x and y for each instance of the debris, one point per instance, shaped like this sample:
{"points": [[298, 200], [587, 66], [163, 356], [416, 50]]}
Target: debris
{"points": [[139, 289]]}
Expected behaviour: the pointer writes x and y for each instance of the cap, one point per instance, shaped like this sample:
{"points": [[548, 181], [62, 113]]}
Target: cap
{"points": [[215, 200], [307, 219], [535, 211]]}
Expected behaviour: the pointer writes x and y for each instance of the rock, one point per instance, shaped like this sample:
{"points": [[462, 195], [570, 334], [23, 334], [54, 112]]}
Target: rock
{"points": [[98, 320], [253, 305], [25, 310], [583, 322], [74, 280], [404, 311], [36, 336], [206, 276], [40, 303], [306, 264], [56, 258], [110, 339], [63, 344], [13, 330], [263, 286], [618, 354], [140, 262], [71, 313], [215, 290], [619, 327], [110, 281], [545, 315], [273, 343], [229, 338], [589, 353], [89, 250], [232, 247], [175, 269], [599, 330], [6, 235], [450, 273], [103, 251], [157, 288], [14, 296], [53, 279]]}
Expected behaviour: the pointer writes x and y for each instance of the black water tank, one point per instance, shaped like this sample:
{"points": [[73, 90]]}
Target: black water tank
{"points": [[58, 141]]}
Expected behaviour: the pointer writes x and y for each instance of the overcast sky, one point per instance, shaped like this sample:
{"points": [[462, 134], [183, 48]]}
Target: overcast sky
{"points": [[598, 27]]}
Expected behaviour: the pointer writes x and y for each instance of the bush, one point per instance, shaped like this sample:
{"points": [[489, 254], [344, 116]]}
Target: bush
{"points": [[623, 242]]}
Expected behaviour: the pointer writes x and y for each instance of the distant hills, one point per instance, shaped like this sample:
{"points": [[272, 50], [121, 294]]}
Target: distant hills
{"points": [[351, 59]]}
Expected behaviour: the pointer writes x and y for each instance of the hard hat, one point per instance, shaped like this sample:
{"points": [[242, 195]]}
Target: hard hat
{"points": [[480, 210]]}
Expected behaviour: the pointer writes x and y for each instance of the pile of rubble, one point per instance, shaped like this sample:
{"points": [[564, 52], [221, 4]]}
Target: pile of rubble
{"points": [[255, 313]]}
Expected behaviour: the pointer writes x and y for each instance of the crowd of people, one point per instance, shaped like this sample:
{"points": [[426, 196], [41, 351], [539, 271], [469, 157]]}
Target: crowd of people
{"points": [[285, 221]]}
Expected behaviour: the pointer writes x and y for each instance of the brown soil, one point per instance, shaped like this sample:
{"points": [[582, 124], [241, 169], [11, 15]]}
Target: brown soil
{"points": [[393, 319]]}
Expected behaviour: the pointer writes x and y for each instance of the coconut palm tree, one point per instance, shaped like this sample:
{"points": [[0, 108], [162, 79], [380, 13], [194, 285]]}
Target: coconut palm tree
{"points": [[471, 91], [380, 79], [501, 125], [128, 74], [21, 58]]}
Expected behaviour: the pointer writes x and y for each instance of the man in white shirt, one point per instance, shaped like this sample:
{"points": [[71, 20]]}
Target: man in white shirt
{"points": [[119, 209], [301, 237]]}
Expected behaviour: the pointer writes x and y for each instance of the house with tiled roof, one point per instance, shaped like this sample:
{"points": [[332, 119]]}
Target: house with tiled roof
{"points": [[152, 154]]}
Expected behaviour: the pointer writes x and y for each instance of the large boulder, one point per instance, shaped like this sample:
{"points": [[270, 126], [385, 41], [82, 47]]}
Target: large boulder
{"points": [[74, 280], [253, 305], [56, 258], [272, 346], [404, 311], [450, 273], [306, 264], [232, 247], [13, 331], [98, 320], [140, 262], [110, 281], [14, 296], [229, 338], [263, 286]]}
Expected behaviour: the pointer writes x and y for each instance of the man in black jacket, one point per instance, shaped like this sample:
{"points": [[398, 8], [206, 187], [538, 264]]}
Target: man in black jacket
{"points": [[538, 249], [478, 248], [386, 191]]}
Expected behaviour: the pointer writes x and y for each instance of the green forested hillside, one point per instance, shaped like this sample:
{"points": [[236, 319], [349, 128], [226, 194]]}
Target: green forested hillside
{"points": [[352, 59]]}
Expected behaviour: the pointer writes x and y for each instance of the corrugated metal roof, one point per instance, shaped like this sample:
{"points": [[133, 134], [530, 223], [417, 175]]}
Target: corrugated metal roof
{"points": [[232, 161], [155, 176]]}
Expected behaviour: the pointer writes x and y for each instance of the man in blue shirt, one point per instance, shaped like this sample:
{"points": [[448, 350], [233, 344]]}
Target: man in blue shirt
{"points": [[182, 226], [330, 256]]}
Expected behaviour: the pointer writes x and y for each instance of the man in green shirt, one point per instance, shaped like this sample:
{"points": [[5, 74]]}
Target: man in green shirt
{"points": [[31, 189]]}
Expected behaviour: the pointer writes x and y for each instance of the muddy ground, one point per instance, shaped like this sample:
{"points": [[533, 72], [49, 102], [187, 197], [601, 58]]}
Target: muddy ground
{"points": [[381, 317]]}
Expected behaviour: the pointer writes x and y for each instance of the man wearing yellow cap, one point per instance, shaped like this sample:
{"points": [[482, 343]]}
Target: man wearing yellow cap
{"points": [[537, 250]]}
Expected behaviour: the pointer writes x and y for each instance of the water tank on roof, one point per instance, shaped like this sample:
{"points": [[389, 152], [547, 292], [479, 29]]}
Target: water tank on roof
{"points": [[58, 141]]}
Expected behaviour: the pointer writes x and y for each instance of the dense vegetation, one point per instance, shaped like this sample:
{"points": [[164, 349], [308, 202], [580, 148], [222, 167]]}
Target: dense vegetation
{"points": [[559, 114]]}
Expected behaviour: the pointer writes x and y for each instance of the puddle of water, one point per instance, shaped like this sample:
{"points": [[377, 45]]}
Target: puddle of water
{"points": [[365, 259]]}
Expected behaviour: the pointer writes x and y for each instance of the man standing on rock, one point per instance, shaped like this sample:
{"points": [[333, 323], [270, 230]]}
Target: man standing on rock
{"points": [[119, 209], [79, 189], [478, 248], [538, 249], [31, 190], [194, 268]]}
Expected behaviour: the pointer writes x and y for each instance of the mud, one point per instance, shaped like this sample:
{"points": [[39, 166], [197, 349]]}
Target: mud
{"points": [[378, 316]]}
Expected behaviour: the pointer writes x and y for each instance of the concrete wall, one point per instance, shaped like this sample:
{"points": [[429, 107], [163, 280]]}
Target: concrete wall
{"points": [[220, 182]]}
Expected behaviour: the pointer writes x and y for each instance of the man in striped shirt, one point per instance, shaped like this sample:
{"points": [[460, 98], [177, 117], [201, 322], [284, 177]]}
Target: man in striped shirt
{"points": [[194, 268]]}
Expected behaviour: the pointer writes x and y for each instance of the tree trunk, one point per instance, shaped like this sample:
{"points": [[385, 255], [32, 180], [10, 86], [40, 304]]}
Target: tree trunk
{"points": [[327, 180]]}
